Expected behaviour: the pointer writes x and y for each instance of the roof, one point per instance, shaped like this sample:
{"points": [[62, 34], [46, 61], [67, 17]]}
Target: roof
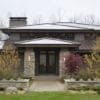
{"points": [[47, 41], [47, 26], [81, 25], [41, 42], [16, 18], [86, 45], [58, 26]]}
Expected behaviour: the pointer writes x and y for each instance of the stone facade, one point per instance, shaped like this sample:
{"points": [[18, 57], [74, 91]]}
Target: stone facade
{"points": [[63, 54], [29, 62]]}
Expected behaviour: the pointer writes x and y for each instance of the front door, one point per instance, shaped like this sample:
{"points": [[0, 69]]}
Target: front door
{"points": [[47, 62]]}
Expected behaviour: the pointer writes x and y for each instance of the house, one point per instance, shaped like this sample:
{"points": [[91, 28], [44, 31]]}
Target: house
{"points": [[43, 47]]}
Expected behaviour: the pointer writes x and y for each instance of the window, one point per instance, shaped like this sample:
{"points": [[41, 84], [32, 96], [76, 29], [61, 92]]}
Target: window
{"points": [[70, 36]]}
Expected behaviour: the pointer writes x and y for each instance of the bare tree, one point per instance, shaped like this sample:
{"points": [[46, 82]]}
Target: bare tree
{"points": [[2, 24], [53, 18], [38, 19], [89, 19], [60, 15], [74, 19]]}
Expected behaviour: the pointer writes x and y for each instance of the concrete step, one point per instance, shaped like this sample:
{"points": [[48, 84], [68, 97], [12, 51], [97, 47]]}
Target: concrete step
{"points": [[47, 78], [41, 86]]}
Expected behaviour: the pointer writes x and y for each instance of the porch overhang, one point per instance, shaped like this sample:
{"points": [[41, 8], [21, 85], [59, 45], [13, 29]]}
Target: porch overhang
{"points": [[47, 42]]}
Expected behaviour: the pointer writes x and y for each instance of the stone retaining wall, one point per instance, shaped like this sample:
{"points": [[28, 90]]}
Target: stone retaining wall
{"points": [[78, 84], [22, 83]]}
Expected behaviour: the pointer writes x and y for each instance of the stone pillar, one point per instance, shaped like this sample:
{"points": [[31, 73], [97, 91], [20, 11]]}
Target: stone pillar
{"points": [[29, 62], [63, 54]]}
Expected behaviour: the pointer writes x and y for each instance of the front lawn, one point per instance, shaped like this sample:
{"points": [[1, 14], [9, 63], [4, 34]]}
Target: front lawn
{"points": [[50, 96]]}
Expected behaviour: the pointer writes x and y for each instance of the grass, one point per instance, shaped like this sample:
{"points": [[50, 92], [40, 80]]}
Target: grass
{"points": [[50, 96]]}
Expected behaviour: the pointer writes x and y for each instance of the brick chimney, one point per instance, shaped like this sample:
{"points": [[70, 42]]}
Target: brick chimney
{"points": [[17, 21]]}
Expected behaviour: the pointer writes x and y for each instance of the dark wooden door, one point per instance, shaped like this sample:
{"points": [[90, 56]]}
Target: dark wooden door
{"points": [[47, 62]]}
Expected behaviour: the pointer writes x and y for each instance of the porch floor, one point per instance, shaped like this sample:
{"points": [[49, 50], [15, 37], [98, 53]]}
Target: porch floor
{"points": [[47, 83]]}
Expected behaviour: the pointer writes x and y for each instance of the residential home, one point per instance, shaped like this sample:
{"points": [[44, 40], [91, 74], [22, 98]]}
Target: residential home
{"points": [[42, 48]]}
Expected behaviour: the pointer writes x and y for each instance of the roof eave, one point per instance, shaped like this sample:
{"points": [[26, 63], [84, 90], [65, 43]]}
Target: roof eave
{"points": [[47, 45], [50, 30]]}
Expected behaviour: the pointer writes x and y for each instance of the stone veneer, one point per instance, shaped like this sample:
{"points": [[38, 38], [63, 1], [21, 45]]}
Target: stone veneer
{"points": [[29, 62], [63, 54]]}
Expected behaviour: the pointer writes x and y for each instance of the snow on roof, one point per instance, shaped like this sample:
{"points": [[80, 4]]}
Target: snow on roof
{"points": [[60, 26], [47, 41], [48, 26], [80, 25]]}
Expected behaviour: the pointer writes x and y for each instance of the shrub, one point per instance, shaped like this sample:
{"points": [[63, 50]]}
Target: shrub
{"points": [[93, 61], [97, 89], [20, 88], [73, 63], [9, 63], [2, 89], [62, 79]]}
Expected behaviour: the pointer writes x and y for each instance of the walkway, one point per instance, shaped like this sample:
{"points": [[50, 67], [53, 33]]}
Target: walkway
{"points": [[48, 83]]}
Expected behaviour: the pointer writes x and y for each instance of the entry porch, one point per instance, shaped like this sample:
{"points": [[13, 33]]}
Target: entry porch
{"points": [[45, 56]]}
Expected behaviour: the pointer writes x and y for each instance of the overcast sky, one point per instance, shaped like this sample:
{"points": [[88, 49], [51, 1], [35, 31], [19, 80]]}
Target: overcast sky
{"points": [[48, 10]]}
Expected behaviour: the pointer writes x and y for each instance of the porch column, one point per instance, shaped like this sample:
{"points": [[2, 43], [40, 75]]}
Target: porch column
{"points": [[29, 62], [63, 53]]}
